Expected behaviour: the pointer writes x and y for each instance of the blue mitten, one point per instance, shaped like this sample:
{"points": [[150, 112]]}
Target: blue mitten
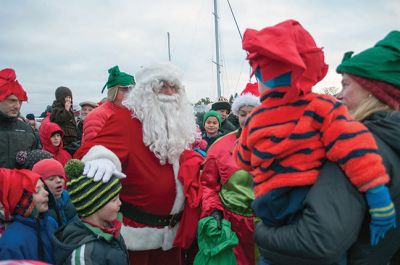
{"points": [[381, 209]]}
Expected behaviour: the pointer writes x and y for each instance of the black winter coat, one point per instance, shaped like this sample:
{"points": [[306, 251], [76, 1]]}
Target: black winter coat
{"points": [[334, 220], [66, 120], [15, 136], [100, 248]]}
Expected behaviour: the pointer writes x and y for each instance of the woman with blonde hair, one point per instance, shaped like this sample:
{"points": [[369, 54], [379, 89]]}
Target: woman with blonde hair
{"points": [[334, 219]]}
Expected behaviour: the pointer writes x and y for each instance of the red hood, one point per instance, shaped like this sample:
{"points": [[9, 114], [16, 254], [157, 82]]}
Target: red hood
{"points": [[46, 130]]}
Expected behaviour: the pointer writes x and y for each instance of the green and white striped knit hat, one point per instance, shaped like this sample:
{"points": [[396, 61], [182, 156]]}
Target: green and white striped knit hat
{"points": [[87, 195]]}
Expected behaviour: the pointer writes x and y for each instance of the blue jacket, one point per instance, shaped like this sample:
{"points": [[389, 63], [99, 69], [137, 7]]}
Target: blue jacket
{"points": [[63, 211], [21, 241]]}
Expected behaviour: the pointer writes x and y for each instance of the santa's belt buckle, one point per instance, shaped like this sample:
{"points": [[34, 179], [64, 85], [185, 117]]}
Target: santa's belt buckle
{"points": [[173, 220]]}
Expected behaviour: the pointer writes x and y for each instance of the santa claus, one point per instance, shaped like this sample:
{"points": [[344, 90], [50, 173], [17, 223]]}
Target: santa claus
{"points": [[149, 142]]}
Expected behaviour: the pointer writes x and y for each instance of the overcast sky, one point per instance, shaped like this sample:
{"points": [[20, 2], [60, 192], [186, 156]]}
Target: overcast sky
{"points": [[73, 43]]}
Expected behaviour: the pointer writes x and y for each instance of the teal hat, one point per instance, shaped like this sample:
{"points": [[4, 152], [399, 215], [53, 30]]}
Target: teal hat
{"points": [[116, 77], [212, 113], [381, 62]]}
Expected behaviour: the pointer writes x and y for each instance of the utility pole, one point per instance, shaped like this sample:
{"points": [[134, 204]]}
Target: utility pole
{"points": [[217, 49], [169, 47]]}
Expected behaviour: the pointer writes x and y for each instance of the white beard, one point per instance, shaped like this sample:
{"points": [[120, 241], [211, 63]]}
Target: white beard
{"points": [[168, 121]]}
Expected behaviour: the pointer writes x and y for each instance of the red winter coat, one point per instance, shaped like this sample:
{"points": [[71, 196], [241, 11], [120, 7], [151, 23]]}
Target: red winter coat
{"points": [[96, 119]]}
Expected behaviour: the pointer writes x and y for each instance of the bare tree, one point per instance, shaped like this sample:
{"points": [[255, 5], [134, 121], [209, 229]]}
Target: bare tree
{"points": [[332, 90]]}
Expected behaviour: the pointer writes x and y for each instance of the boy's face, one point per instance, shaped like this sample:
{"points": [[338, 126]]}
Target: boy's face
{"points": [[56, 139], [211, 125], [56, 185], [41, 197], [224, 113], [108, 212]]}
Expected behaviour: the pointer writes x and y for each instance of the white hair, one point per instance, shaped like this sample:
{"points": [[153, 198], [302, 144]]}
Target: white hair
{"points": [[168, 122]]}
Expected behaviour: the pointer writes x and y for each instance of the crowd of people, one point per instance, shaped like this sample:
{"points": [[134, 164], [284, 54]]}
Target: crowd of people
{"points": [[282, 175]]}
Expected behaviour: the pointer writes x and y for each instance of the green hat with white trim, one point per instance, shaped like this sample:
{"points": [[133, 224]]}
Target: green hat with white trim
{"points": [[87, 195]]}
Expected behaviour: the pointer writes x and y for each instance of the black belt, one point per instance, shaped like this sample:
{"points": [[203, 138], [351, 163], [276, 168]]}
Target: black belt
{"points": [[149, 219]]}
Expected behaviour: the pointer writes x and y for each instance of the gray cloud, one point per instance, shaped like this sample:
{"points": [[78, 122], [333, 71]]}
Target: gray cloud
{"points": [[73, 43]]}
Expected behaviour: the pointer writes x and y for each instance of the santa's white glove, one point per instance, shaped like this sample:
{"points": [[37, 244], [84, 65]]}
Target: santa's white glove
{"points": [[101, 169]]}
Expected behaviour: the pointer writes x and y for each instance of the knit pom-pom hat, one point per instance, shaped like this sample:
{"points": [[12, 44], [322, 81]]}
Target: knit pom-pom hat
{"points": [[28, 159], [87, 195]]}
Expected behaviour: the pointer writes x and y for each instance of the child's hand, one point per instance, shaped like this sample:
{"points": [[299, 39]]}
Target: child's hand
{"points": [[381, 209], [68, 103]]}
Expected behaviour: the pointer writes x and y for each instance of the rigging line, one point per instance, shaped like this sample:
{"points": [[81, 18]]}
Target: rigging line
{"points": [[234, 18]]}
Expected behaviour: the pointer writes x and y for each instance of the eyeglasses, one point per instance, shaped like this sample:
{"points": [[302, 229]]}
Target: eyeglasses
{"points": [[168, 84]]}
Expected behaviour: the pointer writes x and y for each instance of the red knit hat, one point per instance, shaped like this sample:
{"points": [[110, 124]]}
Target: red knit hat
{"points": [[13, 184], [385, 92], [47, 168], [10, 86], [286, 47]]}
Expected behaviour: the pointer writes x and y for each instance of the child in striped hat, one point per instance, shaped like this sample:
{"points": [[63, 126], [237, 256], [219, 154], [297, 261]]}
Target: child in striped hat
{"points": [[94, 236], [289, 137]]}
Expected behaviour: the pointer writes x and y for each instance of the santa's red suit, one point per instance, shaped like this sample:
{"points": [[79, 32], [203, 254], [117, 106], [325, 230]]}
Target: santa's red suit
{"points": [[151, 189]]}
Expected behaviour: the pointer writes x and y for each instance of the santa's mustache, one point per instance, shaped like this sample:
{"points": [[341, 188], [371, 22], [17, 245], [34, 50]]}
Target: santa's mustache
{"points": [[168, 98]]}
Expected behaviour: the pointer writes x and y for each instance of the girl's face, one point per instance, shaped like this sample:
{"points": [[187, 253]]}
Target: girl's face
{"points": [[41, 197], [243, 113], [352, 94], [211, 125], [68, 99], [56, 185], [56, 139], [109, 212]]}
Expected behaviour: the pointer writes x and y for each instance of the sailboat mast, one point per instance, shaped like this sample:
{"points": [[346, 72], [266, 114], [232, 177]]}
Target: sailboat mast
{"points": [[217, 49], [169, 47]]}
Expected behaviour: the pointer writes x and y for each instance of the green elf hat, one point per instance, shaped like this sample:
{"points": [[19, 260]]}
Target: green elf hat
{"points": [[381, 62], [116, 77], [377, 69]]}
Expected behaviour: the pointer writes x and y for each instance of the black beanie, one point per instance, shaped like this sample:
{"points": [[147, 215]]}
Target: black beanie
{"points": [[62, 92]]}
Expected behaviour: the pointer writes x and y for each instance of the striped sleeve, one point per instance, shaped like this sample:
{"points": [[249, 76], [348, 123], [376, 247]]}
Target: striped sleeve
{"points": [[352, 146], [82, 255]]}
